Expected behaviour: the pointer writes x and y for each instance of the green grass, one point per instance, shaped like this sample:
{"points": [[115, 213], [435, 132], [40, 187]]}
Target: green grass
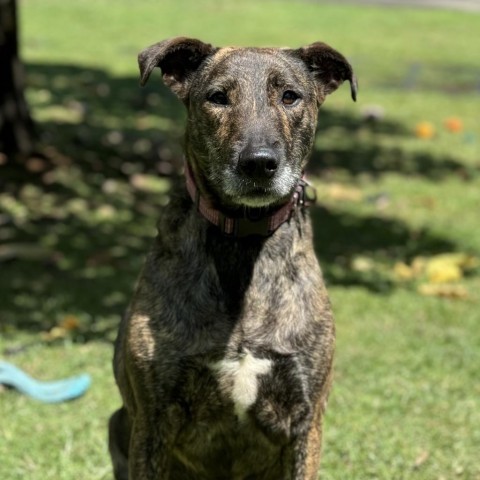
{"points": [[405, 403]]}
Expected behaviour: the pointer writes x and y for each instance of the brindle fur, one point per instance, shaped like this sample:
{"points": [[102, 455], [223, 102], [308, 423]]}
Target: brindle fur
{"points": [[203, 298]]}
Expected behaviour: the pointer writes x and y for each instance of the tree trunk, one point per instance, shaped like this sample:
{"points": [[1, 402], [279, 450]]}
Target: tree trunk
{"points": [[16, 126]]}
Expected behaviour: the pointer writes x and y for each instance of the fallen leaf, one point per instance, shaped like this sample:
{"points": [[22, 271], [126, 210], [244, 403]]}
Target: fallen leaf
{"points": [[402, 271], [449, 267], [55, 333], [443, 290], [443, 272], [337, 191], [69, 323], [418, 265], [421, 459]]}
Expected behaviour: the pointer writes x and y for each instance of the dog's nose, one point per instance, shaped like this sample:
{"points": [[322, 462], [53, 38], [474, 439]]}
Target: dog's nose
{"points": [[260, 163]]}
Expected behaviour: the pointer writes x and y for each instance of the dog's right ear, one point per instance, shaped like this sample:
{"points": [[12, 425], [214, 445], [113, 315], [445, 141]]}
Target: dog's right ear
{"points": [[178, 58]]}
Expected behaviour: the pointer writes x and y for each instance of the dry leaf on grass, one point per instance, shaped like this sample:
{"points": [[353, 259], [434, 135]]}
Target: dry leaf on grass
{"points": [[68, 324], [458, 292], [54, 334], [449, 267], [403, 272], [337, 191], [439, 269], [443, 272], [421, 459]]}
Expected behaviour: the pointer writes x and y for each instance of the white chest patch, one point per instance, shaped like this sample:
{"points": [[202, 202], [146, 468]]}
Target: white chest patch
{"points": [[240, 379]]}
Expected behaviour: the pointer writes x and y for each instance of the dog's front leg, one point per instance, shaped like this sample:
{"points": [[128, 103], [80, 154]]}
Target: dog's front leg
{"points": [[307, 450], [306, 456], [149, 458]]}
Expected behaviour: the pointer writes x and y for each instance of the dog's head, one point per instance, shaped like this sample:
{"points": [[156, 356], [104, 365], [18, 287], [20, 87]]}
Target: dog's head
{"points": [[252, 113]]}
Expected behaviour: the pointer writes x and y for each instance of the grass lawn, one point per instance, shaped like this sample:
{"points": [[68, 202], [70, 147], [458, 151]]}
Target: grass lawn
{"points": [[74, 227]]}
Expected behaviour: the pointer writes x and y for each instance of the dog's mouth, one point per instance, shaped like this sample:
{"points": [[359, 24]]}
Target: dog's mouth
{"points": [[253, 196], [239, 191], [258, 197]]}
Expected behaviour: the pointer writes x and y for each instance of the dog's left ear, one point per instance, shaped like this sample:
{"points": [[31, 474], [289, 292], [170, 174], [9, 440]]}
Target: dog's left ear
{"points": [[329, 67], [178, 58]]}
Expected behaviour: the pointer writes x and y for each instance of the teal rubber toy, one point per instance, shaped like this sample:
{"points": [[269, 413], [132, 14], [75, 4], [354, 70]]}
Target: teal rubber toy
{"points": [[47, 392]]}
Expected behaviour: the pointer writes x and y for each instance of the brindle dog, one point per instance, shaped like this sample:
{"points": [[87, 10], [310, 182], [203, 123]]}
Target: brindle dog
{"points": [[224, 357]]}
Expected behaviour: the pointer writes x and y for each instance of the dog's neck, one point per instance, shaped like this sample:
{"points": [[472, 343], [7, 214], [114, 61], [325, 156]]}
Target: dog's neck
{"points": [[253, 222]]}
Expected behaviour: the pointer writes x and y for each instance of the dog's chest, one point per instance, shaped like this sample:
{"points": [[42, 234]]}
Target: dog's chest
{"points": [[238, 379], [258, 374], [265, 388]]}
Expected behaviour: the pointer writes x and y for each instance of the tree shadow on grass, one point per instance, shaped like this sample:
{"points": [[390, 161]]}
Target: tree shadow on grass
{"points": [[105, 120], [76, 223], [358, 149], [342, 237]]}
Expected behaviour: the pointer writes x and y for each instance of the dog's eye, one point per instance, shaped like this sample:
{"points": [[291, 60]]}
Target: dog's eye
{"points": [[219, 98], [289, 97]]}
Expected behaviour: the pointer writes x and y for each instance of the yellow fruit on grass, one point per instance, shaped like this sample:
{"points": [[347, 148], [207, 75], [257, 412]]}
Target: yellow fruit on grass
{"points": [[424, 130]]}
